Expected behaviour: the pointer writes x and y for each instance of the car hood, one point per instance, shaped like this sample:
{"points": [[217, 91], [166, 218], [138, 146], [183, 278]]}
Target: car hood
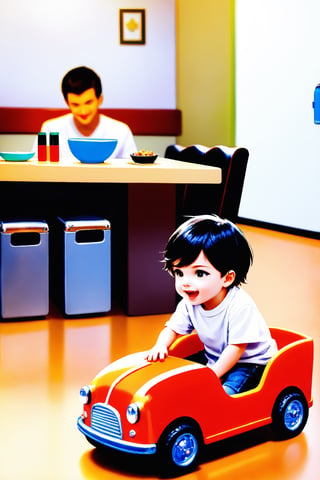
{"points": [[134, 375]]}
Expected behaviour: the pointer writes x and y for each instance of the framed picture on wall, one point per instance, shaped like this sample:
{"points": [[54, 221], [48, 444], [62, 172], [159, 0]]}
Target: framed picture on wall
{"points": [[132, 26]]}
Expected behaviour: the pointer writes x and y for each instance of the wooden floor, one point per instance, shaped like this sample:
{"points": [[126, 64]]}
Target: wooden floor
{"points": [[45, 362]]}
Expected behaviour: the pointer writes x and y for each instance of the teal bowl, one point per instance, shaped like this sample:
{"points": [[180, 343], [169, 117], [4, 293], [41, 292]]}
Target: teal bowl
{"points": [[92, 150], [16, 156]]}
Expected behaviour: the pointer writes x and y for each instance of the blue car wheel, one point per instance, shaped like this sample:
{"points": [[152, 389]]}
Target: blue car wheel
{"points": [[180, 448], [184, 450], [290, 414]]}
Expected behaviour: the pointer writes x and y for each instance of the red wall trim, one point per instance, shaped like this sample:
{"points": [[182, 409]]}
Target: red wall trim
{"points": [[141, 121]]}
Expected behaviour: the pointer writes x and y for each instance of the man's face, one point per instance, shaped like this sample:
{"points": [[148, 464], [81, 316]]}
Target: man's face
{"points": [[84, 107]]}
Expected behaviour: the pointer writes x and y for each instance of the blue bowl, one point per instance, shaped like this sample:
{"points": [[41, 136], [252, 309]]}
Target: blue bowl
{"points": [[92, 150]]}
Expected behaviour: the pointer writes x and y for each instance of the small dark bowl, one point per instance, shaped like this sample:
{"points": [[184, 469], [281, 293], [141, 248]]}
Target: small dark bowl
{"points": [[144, 158]]}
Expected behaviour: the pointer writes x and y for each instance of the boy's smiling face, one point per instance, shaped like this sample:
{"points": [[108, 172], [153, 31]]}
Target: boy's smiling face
{"points": [[201, 283], [84, 107]]}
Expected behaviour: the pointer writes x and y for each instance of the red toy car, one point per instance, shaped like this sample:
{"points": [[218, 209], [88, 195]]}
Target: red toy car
{"points": [[173, 408]]}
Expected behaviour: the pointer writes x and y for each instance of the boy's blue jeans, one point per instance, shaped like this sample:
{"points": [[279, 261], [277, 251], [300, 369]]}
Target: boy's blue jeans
{"points": [[242, 377]]}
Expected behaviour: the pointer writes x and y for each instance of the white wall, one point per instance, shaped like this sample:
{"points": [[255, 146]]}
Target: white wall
{"points": [[41, 40], [277, 69]]}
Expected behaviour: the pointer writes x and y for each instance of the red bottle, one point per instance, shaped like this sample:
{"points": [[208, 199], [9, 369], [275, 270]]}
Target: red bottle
{"points": [[54, 147], [42, 147]]}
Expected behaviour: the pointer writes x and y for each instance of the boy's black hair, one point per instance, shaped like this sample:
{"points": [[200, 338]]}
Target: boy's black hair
{"points": [[221, 241], [80, 79]]}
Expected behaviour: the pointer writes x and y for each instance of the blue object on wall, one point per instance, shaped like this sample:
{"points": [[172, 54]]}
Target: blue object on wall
{"points": [[316, 104]]}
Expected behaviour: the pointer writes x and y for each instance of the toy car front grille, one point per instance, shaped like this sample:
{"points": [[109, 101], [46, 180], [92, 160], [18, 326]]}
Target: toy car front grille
{"points": [[106, 420]]}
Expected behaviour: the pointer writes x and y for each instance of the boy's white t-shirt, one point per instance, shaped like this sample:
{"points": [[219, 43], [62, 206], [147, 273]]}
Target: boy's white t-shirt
{"points": [[235, 320], [107, 128]]}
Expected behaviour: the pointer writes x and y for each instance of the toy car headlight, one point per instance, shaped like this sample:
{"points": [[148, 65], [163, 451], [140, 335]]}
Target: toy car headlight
{"points": [[85, 395], [133, 413]]}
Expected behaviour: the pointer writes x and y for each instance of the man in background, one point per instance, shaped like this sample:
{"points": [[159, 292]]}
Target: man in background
{"points": [[82, 91]]}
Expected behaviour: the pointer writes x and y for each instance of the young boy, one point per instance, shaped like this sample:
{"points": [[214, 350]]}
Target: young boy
{"points": [[209, 259], [82, 91]]}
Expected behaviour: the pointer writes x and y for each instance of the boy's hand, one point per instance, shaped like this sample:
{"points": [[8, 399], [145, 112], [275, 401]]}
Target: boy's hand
{"points": [[158, 352]]}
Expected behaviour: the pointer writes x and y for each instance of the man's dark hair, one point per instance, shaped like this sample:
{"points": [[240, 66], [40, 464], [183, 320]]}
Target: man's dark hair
{"points": [[80, 79], [221, 241]]}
